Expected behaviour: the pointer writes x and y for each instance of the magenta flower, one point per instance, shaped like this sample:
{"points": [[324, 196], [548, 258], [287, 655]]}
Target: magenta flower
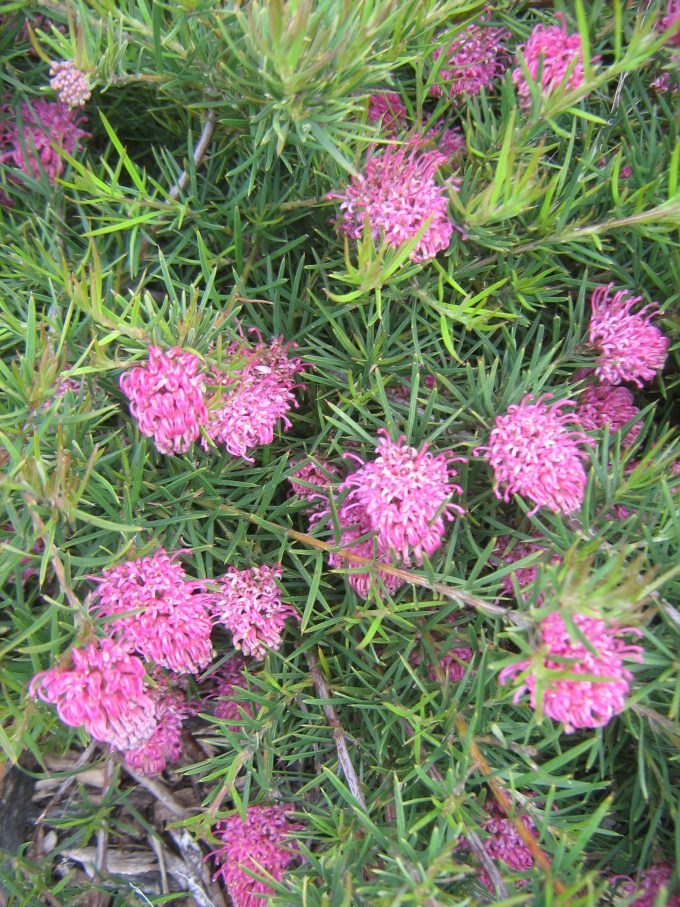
{"points": [[166, 397], [254, 396], [404, 494], [69, 83], [558, 56], [454, 664], [397, 195], [249, 604], [165, 744], [263, 845], [607, 404], [671, 20], [171, 622], [525, 577], [449, 142], [230, 679], [354, 524], [534, 453], [590, 702], [316, 473], [502, 842], [104, 691], [388, 108], [652, 880], [475, 58], [631, 347], [36, 143]]}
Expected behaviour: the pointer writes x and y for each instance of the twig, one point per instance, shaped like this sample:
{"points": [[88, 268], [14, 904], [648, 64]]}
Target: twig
{"points": [[64, 786], [102, 898], [160, 792], [338, 731], [506, 805]]}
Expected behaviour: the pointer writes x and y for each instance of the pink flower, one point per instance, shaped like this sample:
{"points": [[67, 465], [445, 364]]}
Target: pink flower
{"points": [[631, 347], [404, 494], [502, 841], [35, 146], [249, 604], [69, 83], [172, 623], [475, 58], [534, 453], [230, 679], [354, 524], [166, 397], [165, 744], [651, 881], [254, 396], [397, 195], [454, 664], [671, 20], [558, 56], [315, 473], [388, 107], [104, 691], [525, 577], [607, 404], [451, 143], [578, 703], [263, 845]]}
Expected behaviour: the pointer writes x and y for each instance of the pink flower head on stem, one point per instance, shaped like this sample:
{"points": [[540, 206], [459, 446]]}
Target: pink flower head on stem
{"points": [[474, 59], [254, 396], [249, 605], [631, 347], [652, 880], [69, 83], [579, 703], [171, 624], [262, 845], [316, 473], [525, 577], [166, 397], [671, 20], [388, 108], [449, 142], [453, 664], [534, 453], [397, 195], [36, 143], [608, 405], [230, 679], [104, 691], [354, 524], [165, 744], [556, 54]]}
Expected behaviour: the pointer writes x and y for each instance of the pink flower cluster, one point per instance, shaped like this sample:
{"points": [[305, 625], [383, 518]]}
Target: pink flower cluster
{"points": [[165, 743], [607, 405], [388, 109], [248, 603], [35, 144], [229, 680], [525, 577], [534, 453], [671, 20], [631, 347], [474, 59], [397, 196], [554, 675], [69, 83], [502, 841], [254, 396], [652, 880], [262, 844], [104, 691], [403, 497], [315, 473], [168, 397], [170, 622], [554, 59], [454, 663]]}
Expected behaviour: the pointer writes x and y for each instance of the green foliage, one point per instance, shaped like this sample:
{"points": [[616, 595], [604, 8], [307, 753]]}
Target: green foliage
{"points": [[142, 240]]}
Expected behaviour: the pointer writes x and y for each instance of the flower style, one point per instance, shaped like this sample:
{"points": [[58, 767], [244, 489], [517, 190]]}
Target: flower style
{"points": [[172, 622], [262, 845], [525, 577], [587, 703], [534, 453], [607, 404], [388, 108], [631, 347], [34, 145], [165, 744], [254, 397], [475, 58], [104, 691], [166, 397], [249, 604], [556, 54], [69, 83], [404, 495], [397, 195]]}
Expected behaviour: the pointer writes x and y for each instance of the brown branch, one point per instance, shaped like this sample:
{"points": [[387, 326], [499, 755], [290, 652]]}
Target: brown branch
{"points": [[338, 731], [100, 863], [506, 805], [159, 791]]}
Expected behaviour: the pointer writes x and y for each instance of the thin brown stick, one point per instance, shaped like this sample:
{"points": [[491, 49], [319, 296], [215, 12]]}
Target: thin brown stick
{"points": [[339, 737], [160, 792], [506, 805], [100, 863]]}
